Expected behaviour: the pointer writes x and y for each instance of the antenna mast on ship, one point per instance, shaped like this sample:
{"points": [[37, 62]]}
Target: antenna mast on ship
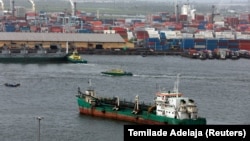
{"points": [[136, 108], [176, 85], [90, 84]]}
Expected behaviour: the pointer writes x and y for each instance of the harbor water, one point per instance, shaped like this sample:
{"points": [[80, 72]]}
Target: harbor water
{"points": [[221, 89]]}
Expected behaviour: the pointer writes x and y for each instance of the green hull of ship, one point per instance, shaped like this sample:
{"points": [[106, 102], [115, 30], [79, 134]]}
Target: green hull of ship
{"points": [[145, 115], [33, 59], [77, 61]]}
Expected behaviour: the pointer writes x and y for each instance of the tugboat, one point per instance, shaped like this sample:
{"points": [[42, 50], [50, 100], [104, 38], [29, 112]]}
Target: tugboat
{"points": [[75, 57], [117, 72], [169, 108]]}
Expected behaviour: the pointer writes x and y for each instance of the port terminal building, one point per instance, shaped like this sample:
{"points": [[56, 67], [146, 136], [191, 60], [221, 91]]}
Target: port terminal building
{"points": [[15, 40]]}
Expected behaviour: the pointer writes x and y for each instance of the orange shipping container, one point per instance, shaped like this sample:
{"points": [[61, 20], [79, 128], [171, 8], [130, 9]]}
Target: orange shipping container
{"points": [[119, 29], [95, 23]]}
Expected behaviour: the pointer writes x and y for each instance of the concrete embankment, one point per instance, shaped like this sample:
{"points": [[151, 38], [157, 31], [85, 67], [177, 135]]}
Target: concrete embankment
{"points": [[129, 52]]}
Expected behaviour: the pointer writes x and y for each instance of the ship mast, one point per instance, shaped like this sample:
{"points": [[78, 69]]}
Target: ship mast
{"points": [[91, 89], [118, 101], [136, 108], [176, 85], [117, 104], [90, 84]]}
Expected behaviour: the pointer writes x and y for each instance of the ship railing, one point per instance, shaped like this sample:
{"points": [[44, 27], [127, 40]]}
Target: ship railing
{"points": [[125, 104]]}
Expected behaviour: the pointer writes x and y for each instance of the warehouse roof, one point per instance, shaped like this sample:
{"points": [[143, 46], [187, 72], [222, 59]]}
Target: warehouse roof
{"points": [[77, 37]]}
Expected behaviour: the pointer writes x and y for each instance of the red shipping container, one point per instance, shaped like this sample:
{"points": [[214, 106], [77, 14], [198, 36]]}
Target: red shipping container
{"points": [[244, 47], [183, 18], [56, 29], [244, 42]]}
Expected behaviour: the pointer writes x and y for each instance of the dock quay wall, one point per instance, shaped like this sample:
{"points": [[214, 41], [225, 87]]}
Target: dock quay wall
{"points": [[128, 52]]}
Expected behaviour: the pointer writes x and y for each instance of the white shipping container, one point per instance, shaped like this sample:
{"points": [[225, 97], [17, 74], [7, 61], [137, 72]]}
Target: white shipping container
{"points": [[199, 36], [179, 37], [109, 31], [187, 35], [243, 36], [238, 33], [154, 35], [208, 35], [152, 32], [171, 36], [130, 35], [220, 37], [149, 29]]}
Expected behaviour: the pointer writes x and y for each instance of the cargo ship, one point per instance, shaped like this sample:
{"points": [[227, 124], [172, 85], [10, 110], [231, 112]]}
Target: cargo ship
{"points": [[169, 108], [25, 55]]}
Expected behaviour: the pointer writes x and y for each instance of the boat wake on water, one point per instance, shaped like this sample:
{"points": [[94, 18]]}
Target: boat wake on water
{"points": [[184, 77], [212, 78], [89, 64], [80, 64], [153, 76]]}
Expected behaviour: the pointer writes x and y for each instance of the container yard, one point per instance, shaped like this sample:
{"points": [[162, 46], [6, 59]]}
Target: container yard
{"points": [[195, 30]]}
